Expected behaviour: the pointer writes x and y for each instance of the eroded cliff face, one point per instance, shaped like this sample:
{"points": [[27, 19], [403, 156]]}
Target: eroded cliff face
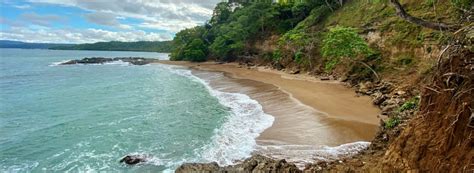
{"points": [[440, 137]]}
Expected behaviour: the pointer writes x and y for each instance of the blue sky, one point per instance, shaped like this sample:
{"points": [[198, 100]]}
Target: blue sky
{"points": [[87, 21]]}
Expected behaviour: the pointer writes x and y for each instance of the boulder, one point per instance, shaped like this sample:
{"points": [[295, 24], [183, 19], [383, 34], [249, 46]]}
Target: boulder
{"points": [[132, 159]]}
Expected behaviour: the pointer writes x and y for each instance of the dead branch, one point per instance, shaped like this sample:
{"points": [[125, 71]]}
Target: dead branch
{"points": [[418, 21], [373, 71], [432, 89]]}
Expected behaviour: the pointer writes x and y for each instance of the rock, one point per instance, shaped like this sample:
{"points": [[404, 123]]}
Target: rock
{"points": [[324, 78], [365, 88], [344, 78], [379, 98], [295, 72], [278, 66], [256, 163], [400, 93], [384, 87], [386, 110], [132, 159], [101, 60]]}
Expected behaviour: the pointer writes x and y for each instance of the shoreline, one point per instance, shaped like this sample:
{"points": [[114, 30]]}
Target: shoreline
{"points": [[309, 114], [325, 90]]}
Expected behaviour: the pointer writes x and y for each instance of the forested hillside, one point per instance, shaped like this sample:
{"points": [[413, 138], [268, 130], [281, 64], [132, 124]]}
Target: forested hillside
{"points": [[361, 40], [25, 45], [147, 46]]}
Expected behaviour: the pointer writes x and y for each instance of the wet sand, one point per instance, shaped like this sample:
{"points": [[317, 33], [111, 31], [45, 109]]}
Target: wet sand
{"points": [[308, 112]]}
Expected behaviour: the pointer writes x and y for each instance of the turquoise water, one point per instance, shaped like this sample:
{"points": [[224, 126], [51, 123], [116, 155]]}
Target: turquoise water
{"points": [[86, 117]]}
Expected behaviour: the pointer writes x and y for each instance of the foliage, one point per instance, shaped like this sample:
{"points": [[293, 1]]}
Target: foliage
{"points": [[410, 104], [190, 45], [147, 46], [392, 122], [463, 4], [343, 42], [236, 24], [276, 56], [299, 57]]}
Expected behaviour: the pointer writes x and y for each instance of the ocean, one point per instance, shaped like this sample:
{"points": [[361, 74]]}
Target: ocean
{"points": [[79, 118]]}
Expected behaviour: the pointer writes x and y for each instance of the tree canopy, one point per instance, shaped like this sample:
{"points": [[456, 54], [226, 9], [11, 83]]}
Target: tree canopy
{"points": [[235, 24]]}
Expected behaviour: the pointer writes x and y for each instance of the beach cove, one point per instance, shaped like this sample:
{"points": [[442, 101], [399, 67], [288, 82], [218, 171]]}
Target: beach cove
{"points": [[312, 117]]}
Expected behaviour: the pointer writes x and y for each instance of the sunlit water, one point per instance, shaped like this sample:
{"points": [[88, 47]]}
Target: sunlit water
{"points": [[86, 117]]}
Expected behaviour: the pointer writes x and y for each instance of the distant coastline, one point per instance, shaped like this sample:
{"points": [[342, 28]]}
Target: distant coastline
{"points": [[140, 46], [27, 45]]}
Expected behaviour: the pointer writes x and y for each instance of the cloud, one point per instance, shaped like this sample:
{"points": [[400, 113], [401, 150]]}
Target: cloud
{"points": [[133, 19], [43, 20], [90, 35], [24, 6], [107, 19], [177, 14]]}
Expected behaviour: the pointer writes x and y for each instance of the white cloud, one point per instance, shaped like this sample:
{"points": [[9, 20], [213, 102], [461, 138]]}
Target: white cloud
{"points": [[24, 6], [169, 15], [165, 16], [107, 19]]}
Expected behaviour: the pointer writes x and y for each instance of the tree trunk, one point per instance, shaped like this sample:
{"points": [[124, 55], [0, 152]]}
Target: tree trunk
{"points": [[329, 5], [432, 25]]}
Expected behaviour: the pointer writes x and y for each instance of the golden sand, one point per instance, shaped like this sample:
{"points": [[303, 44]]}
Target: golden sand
{"points": [[307, 111]]}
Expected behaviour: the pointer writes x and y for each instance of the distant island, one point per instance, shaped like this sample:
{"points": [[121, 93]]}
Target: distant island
{"points": [[145, 46], [26, 45]]}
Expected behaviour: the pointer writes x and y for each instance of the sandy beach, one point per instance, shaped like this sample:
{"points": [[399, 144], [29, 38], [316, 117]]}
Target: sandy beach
{"points": [[308, 112]]}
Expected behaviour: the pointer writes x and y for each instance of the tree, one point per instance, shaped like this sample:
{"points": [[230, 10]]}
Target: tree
{"points": [[221, 13]]}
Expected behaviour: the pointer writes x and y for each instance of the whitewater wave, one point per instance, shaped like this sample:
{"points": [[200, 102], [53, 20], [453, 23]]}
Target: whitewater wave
{"points": [[58, 63], [303, 154], [236, 139]]}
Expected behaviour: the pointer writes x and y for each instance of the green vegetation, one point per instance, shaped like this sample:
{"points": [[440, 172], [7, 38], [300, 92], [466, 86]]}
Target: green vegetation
{"points": [[145, 46], [392, 122], [410, 104], [343, 42], [235, 26], [363, 40], [189, 45]]}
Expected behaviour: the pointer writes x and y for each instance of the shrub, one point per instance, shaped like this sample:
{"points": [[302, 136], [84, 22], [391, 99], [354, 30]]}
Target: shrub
{"points": [[342, 42], [276, 56], [299, 57]]}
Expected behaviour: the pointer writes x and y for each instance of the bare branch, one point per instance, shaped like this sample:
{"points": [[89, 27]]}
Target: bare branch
{"points": [[432, 25]]}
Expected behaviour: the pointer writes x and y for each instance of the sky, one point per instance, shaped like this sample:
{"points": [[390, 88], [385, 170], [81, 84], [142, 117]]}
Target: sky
{"points": [[88, 21]]}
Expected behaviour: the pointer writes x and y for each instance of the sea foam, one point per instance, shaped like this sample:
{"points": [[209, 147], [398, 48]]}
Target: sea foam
{"points": [[236, 139]]}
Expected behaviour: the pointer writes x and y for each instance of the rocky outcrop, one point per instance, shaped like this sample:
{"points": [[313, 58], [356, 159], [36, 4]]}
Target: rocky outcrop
{"points": [[102, 60], [132, 159], [256, 163]]}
